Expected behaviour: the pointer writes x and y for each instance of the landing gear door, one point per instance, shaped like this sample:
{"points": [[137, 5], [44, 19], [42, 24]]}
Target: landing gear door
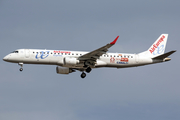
{"points": [[27, 53]]}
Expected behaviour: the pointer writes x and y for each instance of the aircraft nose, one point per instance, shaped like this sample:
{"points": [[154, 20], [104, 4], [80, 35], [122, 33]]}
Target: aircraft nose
{"points": [[5, 58]]}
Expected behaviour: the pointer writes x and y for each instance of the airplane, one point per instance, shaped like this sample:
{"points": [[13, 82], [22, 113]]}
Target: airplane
{"points": [[70, 61]]}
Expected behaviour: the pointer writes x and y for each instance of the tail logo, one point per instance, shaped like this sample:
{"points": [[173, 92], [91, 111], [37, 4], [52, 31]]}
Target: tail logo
{"points": [[156, 45], [159, 50]]}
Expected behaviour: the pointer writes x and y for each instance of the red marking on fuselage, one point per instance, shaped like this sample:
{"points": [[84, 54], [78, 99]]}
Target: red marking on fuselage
{"points": [[61, 51], [112, 60], [124, 59]]}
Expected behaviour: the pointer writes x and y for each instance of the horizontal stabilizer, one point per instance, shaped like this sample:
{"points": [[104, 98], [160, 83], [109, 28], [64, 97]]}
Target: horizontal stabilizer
{"points": [[164, 55]]}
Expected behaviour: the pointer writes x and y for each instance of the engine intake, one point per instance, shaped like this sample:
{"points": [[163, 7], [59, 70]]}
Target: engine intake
{"points": [[64, 70]]}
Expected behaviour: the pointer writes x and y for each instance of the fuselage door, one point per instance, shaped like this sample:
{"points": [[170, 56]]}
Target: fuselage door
{"points": [[27, 53], [137, 58]]}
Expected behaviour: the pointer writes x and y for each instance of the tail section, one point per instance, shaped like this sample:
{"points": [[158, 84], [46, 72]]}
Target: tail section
{"points": [[157, 48]]}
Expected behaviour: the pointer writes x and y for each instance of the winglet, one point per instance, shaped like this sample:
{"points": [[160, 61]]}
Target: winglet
{"points": [[113, 42]]}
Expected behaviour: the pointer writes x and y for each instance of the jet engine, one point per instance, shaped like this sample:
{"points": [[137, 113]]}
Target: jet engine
{"points": [[64, 70], [70, 61]]}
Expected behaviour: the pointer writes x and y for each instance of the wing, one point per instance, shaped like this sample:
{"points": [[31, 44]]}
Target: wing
{"points": [[94, 55]]}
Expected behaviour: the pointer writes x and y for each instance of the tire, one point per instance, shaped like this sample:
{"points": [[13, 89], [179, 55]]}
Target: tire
{"points": [[83, 75], [88, 70], [21, 69]]}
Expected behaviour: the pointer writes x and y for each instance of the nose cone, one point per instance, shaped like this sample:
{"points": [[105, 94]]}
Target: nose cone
{"points": [[5, 58]]}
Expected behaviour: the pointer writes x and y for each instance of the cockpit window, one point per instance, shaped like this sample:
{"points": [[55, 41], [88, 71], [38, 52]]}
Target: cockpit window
{"points": [[15, 51]]}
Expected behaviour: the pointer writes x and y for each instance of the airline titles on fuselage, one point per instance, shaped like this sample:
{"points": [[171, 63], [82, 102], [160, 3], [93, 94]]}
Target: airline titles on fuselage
{"points": [[119, 58]]}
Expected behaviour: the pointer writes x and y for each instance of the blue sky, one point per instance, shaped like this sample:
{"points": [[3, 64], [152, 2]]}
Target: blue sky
{"points": [[149, 92]]}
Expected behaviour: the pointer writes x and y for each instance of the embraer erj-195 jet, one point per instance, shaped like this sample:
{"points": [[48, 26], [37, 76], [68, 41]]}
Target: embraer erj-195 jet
{"points": [[70, 61]]}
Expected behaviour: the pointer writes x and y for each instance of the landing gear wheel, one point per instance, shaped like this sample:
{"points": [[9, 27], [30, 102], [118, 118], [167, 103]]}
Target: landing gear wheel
{"points": [[88, 70], [83, 75], [21, 64], [21, 69]]}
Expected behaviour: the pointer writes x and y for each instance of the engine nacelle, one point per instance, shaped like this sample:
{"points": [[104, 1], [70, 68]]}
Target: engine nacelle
{"points": [[70, 61], [63, 70]]}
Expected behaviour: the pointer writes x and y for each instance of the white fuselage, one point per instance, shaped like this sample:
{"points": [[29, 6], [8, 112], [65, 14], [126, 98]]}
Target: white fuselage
{"points": [[56, 57]]}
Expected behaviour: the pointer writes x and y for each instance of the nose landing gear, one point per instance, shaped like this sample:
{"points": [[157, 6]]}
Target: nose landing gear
{"points": [[21, 69]]}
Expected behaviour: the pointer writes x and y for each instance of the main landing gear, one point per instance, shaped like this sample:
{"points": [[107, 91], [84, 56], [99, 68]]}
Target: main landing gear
{"points": [[21, 69], [88, 70], [83, 75]]}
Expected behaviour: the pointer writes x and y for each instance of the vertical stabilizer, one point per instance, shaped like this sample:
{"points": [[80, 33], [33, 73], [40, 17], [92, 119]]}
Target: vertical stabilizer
{"points": [[157, 48]]}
